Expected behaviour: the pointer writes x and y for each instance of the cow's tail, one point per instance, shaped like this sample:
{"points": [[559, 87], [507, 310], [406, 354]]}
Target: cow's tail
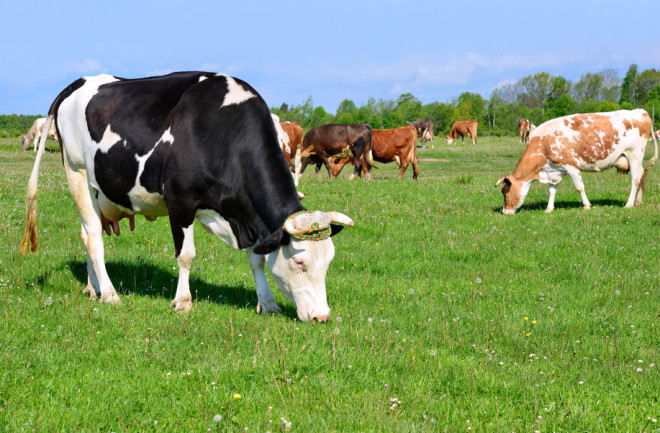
{"points": [[30, 235], [370, 153], [654, 159]]}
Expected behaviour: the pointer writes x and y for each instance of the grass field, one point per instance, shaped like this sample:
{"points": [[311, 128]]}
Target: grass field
{"points": [[446, 315]]}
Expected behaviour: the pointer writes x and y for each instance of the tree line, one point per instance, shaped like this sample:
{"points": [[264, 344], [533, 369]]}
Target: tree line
{"points": [[538, 98]]}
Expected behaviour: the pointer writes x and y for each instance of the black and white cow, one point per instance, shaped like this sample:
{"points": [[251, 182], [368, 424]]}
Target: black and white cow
{"points": [[191, 145]]}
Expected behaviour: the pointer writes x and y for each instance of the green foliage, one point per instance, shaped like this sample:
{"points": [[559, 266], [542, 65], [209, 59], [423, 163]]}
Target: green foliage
{"points": [[13, 125], [626, 87], [563, 106]]}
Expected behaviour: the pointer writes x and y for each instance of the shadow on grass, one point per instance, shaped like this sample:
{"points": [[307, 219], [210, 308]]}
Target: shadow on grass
{"points": [[143, 278], [541, 205]]}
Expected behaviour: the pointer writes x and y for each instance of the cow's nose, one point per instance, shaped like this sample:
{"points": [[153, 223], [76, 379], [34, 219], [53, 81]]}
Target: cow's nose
{"points": [[320, 319]]}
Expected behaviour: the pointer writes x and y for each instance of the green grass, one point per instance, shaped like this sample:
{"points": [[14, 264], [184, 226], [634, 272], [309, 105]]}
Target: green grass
{"points": [[469, 318]]}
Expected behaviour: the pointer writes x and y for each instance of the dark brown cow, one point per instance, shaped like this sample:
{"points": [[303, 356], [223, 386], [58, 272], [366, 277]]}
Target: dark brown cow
{"points": [[524, 128], [424, 130], [329, 140], [461, 128], [389, 145]]}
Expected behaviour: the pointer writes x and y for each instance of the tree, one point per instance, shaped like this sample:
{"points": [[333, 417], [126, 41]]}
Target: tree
{"points": [[626, 87], [643, 85], [563, 106], [409, 106], [535, 89]]}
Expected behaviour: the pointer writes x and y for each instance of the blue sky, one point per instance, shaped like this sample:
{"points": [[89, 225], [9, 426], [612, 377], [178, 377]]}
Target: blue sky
{"points": [[330, 50]]}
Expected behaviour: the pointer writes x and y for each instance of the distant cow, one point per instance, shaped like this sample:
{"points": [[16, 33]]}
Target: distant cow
{"points": [[389, 145], [295, 133], [581, 142], [192, 146], [524, 128], [34, 133], [424, 129], [462, 128], [338, 140]]}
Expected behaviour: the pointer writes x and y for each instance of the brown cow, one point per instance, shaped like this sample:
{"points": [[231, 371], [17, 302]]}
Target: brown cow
{"points": [[581, 142], [461, 128], [424, 130], [524, 128], [325, 141], [295, 133], [390, 145]]}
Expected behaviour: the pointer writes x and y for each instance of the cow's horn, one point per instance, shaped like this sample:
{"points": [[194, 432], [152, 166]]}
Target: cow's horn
{"points": [[337, 217], [499, 181], [301, 223]]}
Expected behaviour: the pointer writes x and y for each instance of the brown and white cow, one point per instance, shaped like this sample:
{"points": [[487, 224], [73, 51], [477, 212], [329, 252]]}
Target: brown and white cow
{"points": [[581, 142], [295, 133], [524, 128], [34, 133], [462, 128], [389, 145], [338, 140], [424, 130]]}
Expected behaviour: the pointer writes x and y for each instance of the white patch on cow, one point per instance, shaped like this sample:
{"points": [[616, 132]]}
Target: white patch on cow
{"points": [[143, 201], [108, 140], [235, 92], [217, 225], [551, 173], [202, 78]]}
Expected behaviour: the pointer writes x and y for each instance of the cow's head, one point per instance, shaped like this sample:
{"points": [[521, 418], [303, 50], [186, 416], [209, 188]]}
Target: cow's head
{"points": [[514, 192], [301, 262], [449, 139], [25, 141]]}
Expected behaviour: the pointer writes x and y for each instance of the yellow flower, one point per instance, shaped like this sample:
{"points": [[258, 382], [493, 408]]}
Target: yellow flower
{"points": [[237, 396], [533, 322], [526, 318], [528, 334]]}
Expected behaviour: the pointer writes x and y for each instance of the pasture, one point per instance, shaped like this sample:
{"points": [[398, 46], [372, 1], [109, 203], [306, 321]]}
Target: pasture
{"points": [[446, 314]]}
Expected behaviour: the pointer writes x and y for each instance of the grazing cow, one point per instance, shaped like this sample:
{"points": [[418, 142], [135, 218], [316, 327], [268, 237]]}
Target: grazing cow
{"points": [[191, 145], [581, 142], [34, 133], [295, 133], [424, 129], [462, 128], [390, 145], [325, 141], [524, 128]]}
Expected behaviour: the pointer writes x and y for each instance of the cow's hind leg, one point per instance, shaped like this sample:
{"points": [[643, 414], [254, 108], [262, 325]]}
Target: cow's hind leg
{"points": [[636, 172], [184, 246], [265, 300], [98, 283], [576, 177]]}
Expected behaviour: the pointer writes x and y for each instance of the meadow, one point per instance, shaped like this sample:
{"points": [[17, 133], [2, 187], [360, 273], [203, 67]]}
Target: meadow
{"points": [[447, 316]]}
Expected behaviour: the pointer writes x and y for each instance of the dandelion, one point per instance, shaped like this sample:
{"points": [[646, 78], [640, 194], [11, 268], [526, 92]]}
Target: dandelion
{"points": [[641, 361], [640, 369], [433, 353], [533, 322], [370, 320], [336, 331], [617, 292], [236, 396], [411, 291], [526, 318], [49, 301], [338, 319], [478, 281], [217, 418]]}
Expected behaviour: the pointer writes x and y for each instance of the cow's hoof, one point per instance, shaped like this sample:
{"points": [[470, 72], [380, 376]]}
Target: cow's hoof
{"points": [[183, 305], [587, 207], [111, 298], [89, 290], [268, 308], [549, 210]]}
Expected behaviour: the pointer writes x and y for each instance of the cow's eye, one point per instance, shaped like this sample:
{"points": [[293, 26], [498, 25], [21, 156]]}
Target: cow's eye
{"points": [[299, 263]]}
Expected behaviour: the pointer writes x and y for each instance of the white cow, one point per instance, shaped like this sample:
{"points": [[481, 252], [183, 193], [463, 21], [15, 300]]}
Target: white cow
{"points": [[581, 142], [34, 133]]}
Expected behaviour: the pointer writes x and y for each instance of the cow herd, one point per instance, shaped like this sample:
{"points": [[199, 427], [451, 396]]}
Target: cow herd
{"points": [[204, 146]]}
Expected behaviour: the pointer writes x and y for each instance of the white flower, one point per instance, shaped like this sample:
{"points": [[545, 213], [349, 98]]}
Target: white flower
{"points": [[617, 292], [336, 331], [370, 320], [338, 319], [217, 418], [411, 291], [49, 301], [639, 369], [580, 383], [478, 281]]}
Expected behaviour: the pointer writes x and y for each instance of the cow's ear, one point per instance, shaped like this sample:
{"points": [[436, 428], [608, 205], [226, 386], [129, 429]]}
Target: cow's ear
{"points": [[270, 244], [336, 228]]}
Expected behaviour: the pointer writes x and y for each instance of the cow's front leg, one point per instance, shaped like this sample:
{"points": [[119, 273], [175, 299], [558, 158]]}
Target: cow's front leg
{"points": [[265, 300], [576, 177], [184, 245], [552, 188]]}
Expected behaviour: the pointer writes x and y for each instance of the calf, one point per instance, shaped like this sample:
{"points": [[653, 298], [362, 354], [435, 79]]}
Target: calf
{"points": [[581, 142], [34, 133]]}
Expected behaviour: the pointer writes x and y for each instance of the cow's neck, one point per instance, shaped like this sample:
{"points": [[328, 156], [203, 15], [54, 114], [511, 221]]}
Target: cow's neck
{"points": [[529, 166]]}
